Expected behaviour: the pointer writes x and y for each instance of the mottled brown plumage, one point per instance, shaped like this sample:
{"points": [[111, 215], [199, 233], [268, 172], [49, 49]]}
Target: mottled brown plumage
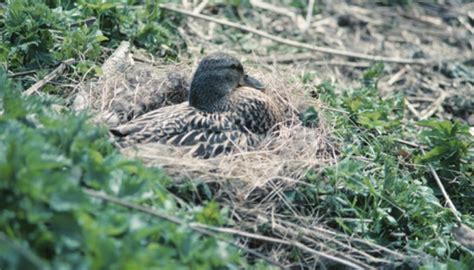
{"points": [[221, 113]]}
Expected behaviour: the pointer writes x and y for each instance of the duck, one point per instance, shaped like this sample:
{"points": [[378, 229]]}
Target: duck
{"points": [[226, 109]]}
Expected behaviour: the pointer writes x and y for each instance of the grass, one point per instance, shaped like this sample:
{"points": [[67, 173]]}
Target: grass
{"points": [[388, 183], [47, 157], [380, 189], [37, 35]]}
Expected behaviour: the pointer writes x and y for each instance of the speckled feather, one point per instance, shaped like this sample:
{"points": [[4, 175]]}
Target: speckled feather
{"points": [[248, 115]]}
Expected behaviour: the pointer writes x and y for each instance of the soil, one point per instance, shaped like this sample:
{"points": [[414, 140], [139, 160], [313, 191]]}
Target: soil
{"points": [[441, 33]]}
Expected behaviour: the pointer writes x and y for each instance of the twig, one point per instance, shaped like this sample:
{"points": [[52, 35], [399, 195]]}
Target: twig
{"points": [[443, 191], [322, 231], [375, 246], [412, 144], [296, 43], [322, 22], [333, 109], [412, 109], [433, 21], [205, 229], [421, 98], [466, 24], [201, 7], [438, 181], [340, 254], [309, 15], [273, 8], [35, 87], [201, 228], [396, 77], [310, 56], [297, 19], [185, 38], [292, 243], [22, 73], [433, 107], [305, 233], [87, 21], [143, 60]]}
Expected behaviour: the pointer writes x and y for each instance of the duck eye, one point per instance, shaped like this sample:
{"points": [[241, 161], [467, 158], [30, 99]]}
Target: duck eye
{"points": [[237, 67]]}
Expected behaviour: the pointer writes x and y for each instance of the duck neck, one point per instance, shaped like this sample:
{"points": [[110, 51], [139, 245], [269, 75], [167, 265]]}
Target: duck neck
{"points": [[209, 97]]}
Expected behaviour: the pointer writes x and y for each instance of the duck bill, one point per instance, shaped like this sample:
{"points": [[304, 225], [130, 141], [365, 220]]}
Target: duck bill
{"points": [[251, 82]]}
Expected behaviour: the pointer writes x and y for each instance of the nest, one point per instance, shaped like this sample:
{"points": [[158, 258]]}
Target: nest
{"points": [[284, 156], [252, 183]]}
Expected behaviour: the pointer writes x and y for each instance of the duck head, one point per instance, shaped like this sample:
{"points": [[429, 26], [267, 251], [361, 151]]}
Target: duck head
{"points": [[216, 76]]}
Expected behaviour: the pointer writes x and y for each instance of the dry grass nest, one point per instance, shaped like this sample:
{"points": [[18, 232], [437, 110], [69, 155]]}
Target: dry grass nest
{"points": [[251, 184], [286, 155]]}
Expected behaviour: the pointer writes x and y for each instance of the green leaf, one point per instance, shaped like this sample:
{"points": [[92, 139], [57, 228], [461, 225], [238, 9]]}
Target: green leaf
{"points": [[435, 153], [310, 117]]}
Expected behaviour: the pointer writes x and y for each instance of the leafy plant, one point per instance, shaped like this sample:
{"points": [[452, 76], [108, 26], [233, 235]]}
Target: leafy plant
{"points": [[372, 75], [38, 35], [146, 25], [47, 221], [376, 190], [310, 117], [368, 109], [449, 143]]}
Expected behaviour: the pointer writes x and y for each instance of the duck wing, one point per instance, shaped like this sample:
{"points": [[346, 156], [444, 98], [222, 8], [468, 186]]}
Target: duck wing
{"points": [[209, 134], [258, 112]]}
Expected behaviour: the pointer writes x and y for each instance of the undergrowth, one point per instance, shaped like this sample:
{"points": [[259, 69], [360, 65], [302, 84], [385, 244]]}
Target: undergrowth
{"points": [[382, 188], [37, 35], [48, 155]]}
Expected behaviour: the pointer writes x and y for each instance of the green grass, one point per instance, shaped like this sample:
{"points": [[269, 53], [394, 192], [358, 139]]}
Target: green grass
{"points": [[47, 221], [388, 183], [37, 35]]}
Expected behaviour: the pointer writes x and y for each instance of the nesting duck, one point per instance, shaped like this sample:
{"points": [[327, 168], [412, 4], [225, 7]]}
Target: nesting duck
{"points": [[226, 109]]}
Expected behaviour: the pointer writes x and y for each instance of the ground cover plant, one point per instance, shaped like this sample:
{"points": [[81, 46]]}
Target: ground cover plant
{"points": [[47, 159], [71, 200], [386, 185]]}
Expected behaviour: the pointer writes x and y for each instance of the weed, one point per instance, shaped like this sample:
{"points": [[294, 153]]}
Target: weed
{"points": [[47, 221], [38, 35], [378, 190]]}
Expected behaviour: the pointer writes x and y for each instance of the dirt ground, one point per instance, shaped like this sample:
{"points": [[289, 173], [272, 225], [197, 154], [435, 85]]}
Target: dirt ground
{"points": [[440, 34]]}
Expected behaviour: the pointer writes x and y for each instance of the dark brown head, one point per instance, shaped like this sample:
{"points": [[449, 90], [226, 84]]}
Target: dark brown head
{"points": [[216, 76]]}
